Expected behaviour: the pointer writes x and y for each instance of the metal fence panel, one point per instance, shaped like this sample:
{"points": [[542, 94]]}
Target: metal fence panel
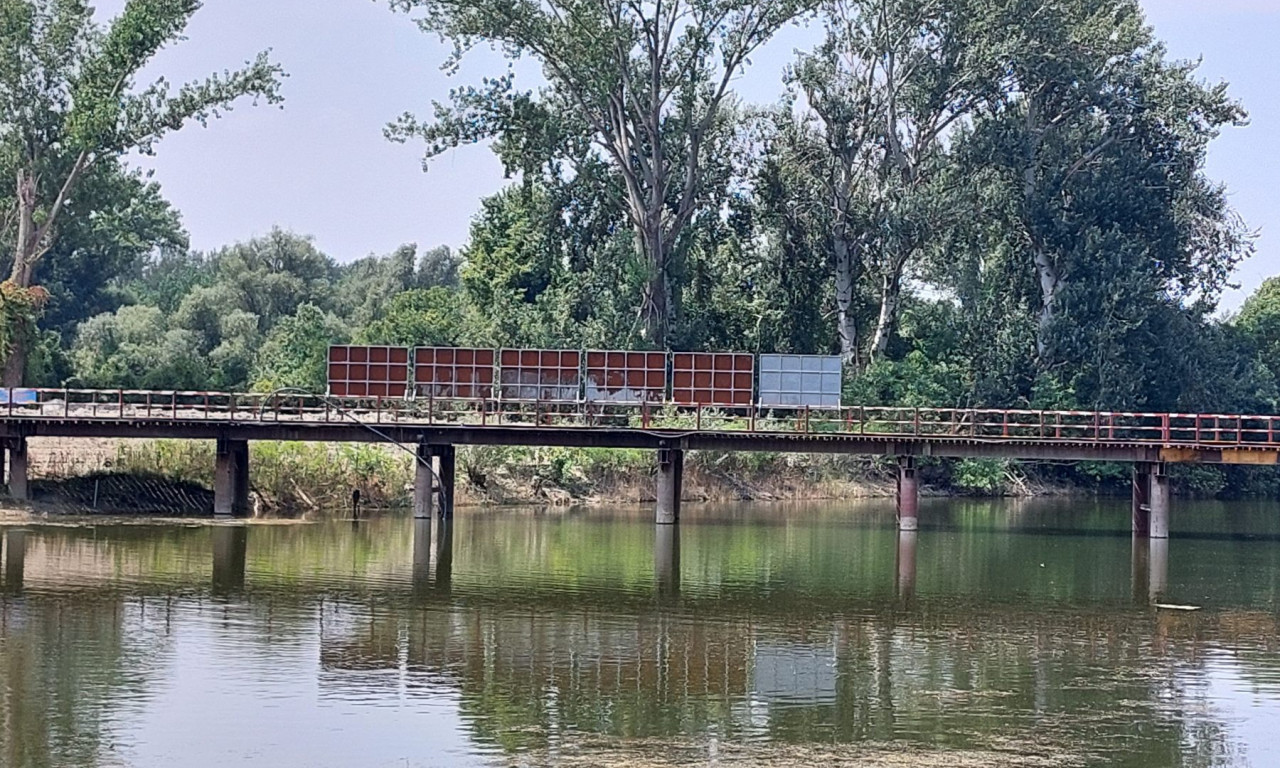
{"points": [[368, 371], [615, 376], [712, 378], [553, 375], [453, 372], [800, 380]]}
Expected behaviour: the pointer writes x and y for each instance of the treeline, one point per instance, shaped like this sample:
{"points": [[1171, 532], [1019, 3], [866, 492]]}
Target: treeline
{"points": [[976, 202]]}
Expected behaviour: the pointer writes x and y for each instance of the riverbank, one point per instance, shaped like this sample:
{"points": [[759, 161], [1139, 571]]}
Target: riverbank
{"points": [[291, 479]]}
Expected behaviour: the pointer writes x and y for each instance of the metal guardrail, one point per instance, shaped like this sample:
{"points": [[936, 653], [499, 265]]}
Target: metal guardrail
{"points": [[976, 424]]}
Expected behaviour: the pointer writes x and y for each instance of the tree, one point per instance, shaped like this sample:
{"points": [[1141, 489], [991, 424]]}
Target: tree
{"points": [[637, 84], [1099, 142], [1259, 319], [69, 108], [886, 88], [296, 352], [135, 348], [420, 317]]}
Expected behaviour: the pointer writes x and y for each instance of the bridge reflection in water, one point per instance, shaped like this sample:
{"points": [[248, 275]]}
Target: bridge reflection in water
{"points": [[542, 629]]}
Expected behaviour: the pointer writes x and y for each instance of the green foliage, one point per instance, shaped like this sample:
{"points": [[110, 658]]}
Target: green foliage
{"points": [[986, 476], [135, 348], [1259, 320], [295, 353], [430, 317]]}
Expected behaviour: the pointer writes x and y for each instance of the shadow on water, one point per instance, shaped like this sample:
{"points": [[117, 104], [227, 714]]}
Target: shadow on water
{"points": [[532, 638]]}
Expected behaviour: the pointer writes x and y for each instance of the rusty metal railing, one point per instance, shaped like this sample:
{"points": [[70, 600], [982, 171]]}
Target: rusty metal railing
{"points": [[972, 424]]}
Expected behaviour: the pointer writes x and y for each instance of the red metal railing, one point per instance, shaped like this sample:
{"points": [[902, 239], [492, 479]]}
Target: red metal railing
{"points": [[973, 424]]}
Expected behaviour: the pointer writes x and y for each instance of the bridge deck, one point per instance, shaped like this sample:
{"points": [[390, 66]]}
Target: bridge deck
{"points": [[1023, 434]]}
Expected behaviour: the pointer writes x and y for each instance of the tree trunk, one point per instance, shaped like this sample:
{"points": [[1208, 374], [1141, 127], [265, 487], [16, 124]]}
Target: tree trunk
{"points": [[656, 302], [24, 255], [890, 299], [846, 279], [1050, 286]]}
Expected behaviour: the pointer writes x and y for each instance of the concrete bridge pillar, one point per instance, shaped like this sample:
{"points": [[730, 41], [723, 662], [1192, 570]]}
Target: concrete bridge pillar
{"points": [[230, 550], [670, 485], [1159, 495], [908, 494], [231, 479], [446, 470], [1141, 500], [19, 487], [423, 483]]}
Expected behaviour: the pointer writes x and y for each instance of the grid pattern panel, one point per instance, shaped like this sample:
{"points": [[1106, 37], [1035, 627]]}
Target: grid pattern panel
{"points": [[626, 377], [540, 374], [712, 378], [449, 372], [800, 380], [356, 371]]}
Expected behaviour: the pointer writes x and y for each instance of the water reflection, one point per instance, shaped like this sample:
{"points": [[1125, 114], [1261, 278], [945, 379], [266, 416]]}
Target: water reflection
{"points": [[542, 635], [14, 552]]}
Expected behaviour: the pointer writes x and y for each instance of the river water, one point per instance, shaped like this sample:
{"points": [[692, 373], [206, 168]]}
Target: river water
{"points": [[1002, 634]]}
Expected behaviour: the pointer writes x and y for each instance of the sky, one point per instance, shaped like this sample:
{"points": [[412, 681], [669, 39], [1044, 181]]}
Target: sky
{"points": [[320, 166]]}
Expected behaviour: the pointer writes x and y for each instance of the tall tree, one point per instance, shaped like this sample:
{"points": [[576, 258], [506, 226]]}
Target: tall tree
{"points": [[886, 88], [69, 104], [639, 83]]}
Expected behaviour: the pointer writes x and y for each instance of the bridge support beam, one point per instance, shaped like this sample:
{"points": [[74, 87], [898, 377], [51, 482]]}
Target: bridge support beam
{"points": [[446, 469], [231, 479], [1150, 501], [19, 487], [423, 483], [1159, 498], [670, 485], [908, 494], [906, 578]]}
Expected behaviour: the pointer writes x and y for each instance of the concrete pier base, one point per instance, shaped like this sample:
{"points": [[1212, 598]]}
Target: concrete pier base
{"points": [[908, 495], [19, 485], [666, 559], [423, 484], [446, 469], [231, 479], [1158, 569], [230, 550], [906, 575], [1141, 500], [670, 485], [1159, 499]]}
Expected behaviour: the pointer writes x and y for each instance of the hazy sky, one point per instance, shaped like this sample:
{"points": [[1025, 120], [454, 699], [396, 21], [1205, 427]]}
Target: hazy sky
{"points": [[320, 166]]}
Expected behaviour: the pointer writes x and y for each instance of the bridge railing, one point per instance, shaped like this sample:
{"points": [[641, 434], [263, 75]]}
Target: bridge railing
{"points": [[975, 424]]}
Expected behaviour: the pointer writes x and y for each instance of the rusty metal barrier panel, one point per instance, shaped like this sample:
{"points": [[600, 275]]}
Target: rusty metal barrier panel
{"points": [[368, 371], [712, 378], [617, 376], [546, 375], [460, 373]]}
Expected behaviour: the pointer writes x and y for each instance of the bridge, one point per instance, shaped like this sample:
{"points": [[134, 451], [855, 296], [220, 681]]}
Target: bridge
{"points": [[433, 428]]}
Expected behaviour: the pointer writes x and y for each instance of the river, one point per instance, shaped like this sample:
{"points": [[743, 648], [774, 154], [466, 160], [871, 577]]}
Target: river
{"points": [[1002, 634]]}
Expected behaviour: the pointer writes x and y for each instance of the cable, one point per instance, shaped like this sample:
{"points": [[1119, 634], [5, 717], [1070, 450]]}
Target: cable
{"points": [[446, 496]]}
